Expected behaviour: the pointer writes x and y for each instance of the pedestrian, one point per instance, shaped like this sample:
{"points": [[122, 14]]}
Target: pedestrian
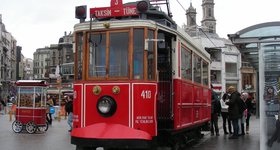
{"points": [[250, 108], [243, 112], [3, 108], [48, 110], [69, 111], [224, 113], [276, 133], [215, 111], [233, 110]]}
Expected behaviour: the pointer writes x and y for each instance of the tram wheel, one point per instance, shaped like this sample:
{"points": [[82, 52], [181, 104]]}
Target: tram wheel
{"points": [[30, 127], [17, 126], [85, 148], [176, 144]]}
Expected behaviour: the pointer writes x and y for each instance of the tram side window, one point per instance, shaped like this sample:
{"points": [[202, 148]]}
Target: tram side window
{"points": [[79, 65], [186, 63], [151, 59], [118, 60], [197, 69], [138, 43], [97, 55], [205, 75]]}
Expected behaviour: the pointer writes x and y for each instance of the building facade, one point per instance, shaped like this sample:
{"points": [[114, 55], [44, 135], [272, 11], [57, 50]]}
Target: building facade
{"points": [[57, 59], [8, 63], [226, 58]]}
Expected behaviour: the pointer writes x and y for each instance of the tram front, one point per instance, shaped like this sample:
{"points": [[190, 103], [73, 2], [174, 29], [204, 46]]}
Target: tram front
{"points": [[115, 84]]}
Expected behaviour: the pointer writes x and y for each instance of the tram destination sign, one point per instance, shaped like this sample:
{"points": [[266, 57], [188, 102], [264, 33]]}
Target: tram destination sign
{"points": [[117, 9]]}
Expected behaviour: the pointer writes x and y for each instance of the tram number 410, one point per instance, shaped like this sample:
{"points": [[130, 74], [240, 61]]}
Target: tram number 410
{"points": [[146, 94]]}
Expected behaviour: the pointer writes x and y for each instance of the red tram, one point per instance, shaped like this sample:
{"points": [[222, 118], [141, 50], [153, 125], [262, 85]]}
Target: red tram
{"points": [[140, 80]]}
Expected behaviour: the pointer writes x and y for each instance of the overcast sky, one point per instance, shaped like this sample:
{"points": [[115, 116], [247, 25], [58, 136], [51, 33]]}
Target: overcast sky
{"points": [[39, 23]]}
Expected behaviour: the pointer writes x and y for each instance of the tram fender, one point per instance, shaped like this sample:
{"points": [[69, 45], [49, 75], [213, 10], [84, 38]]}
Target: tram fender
{"points": [[110, 131]]}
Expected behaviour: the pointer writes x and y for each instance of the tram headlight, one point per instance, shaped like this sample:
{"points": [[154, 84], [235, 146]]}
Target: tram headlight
{"points": [[106, 106]]}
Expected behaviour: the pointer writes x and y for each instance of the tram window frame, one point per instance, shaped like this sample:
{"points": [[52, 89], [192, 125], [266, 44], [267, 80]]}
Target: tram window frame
{"points": [[99, 73], [138, 54], [205, 74], [151, 55], [79, 56], [186, 63], [197, 68], [107, 75], [123, 63]]}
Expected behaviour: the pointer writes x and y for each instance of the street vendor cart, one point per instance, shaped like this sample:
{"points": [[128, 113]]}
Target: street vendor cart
{"points": [[31, 106]]}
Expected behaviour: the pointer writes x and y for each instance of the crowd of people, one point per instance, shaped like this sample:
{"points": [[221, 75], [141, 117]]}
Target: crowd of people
{"points": [[235, 108]]}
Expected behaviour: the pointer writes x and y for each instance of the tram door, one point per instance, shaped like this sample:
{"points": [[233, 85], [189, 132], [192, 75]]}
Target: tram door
{"points": [[164, 68]]}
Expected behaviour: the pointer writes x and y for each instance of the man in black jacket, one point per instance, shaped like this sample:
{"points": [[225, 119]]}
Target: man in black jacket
{"points": [[215, 111], [69, 111], [234, 112]]}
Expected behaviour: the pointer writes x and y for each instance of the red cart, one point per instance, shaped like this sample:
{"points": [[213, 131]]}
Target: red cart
{"points": [[31, 106]]}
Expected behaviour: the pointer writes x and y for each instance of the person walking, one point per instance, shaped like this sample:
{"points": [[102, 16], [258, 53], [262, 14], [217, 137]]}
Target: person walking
{"points": [[215, 111], [233, 110], [69, 111], [224, 113], [3, 103], [243, 112], [48, 110], [250, 108]]}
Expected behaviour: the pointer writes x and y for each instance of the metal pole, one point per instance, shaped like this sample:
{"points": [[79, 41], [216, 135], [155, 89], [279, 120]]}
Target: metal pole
{"points": [[263, 126]]}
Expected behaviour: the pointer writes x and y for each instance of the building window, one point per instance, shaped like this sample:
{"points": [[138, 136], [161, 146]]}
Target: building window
{"points": [[209, 12], [231, 69]]}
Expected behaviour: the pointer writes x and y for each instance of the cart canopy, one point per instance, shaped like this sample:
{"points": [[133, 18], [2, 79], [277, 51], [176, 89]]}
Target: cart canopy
{"points": [[31, 83]]}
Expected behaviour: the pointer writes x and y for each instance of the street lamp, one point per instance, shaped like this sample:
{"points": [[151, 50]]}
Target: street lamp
{"points": [[58, 81]]}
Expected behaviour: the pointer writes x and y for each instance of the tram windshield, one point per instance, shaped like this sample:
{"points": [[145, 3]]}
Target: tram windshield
{"points": [[116, 54]]}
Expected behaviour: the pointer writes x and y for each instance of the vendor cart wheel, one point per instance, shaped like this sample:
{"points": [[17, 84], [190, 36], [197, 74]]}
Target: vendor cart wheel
{"points": [[44, 128], [30, 127], [17, 126]]}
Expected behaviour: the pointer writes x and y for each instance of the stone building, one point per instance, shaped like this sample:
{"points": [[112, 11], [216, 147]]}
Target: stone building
{"points": [[48, 59], [226, 59], [8, 63]]}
